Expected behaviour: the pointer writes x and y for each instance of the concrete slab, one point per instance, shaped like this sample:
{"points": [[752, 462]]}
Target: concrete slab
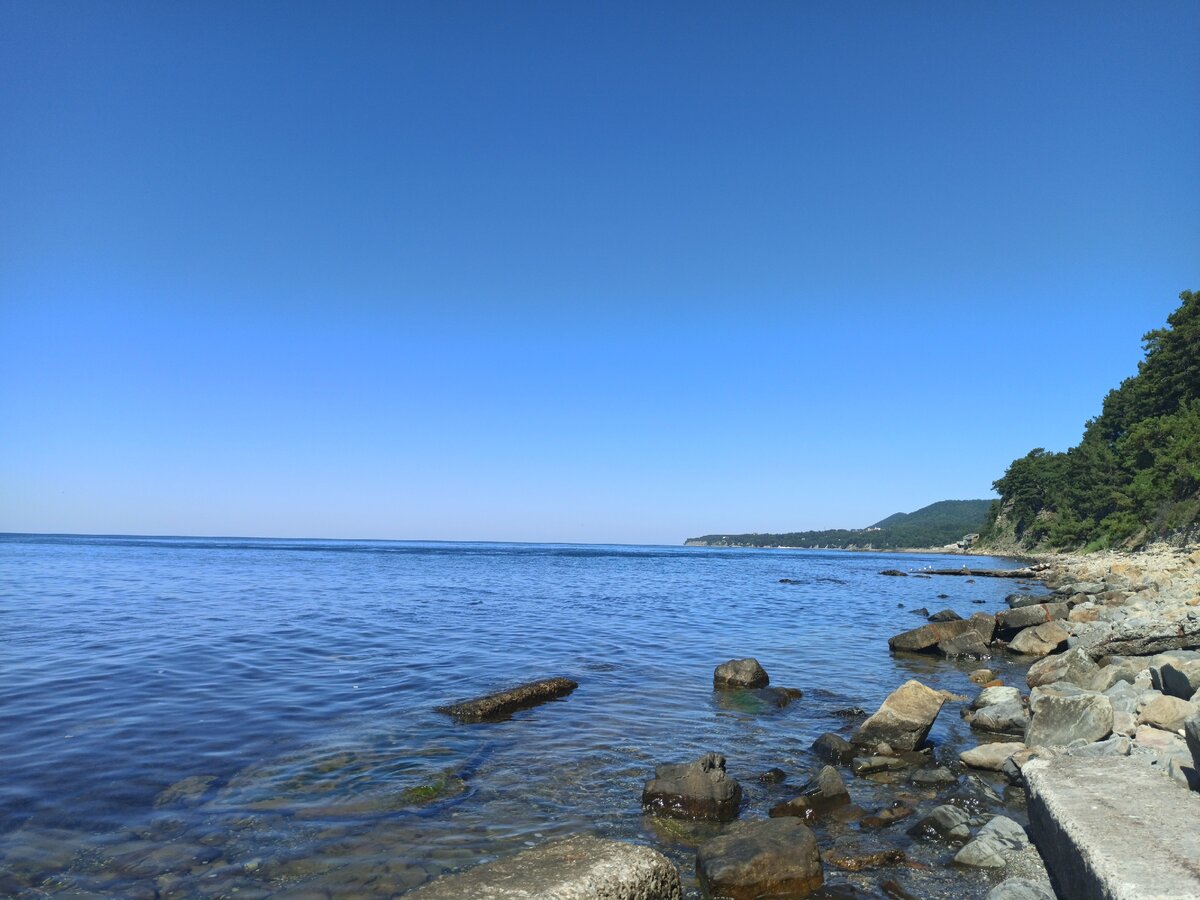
{"points": [[1111, 828], [578, 868]]}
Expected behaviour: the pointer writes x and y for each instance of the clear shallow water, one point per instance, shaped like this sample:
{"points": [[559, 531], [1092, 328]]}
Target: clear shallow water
{"points": [[188, 717]]}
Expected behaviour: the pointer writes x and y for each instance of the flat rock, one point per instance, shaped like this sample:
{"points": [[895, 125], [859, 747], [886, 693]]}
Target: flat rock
{"points": [[764, 858], [990, 696], [904, 719], [1146, 635], [990, 756], [695, 790], [1114, 828], [740, 673], [578, 868], [502, 704], [927, 637], [939, 776], [996, 843], [868, 765], [1058, 721]]}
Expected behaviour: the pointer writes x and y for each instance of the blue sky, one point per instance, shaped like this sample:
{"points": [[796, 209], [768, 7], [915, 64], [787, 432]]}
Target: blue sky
{"points": [[542, 271]]}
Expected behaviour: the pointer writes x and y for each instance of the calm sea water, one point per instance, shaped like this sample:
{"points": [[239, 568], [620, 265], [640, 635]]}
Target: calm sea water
{"points": [[200, 717]]}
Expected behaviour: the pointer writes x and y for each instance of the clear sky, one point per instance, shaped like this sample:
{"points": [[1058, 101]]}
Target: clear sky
{"points": [[573, 272]]}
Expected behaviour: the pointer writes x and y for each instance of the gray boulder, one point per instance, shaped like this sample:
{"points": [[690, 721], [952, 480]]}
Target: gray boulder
{"points": [[740, 673], [1059, 721], [764, 858], [1075, 666], [1191, 733], [968, 645], [1147, 635], [995, 844], [1000, 718], [695, 790], [1016, 601], [944, 823], [990, 756], [904, 719]]}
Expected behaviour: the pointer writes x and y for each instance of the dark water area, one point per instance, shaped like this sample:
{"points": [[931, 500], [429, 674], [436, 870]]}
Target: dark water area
{"points": [[243, 718]]}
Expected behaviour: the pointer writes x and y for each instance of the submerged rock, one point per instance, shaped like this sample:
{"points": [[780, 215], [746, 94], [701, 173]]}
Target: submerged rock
{"points": [[819, 795], [695, 790], [995, 844], [833, 747], [945, 615], [904, 719], [740, 673], [764, 858], [582, 866], [944, 823], [501, 704]]}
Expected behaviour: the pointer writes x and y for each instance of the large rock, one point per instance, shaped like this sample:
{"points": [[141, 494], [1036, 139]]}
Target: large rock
{"points": [[1000, 693], [740, 673], [1058, 721], [904, 719], [821, 794], [1075, 666], [927, 637], [578, 868], [990, 756], [1040, 640], [944, 823], [1113, 827], [1012, 620], [968, 645], [765, 858], [996, 843], [695, 790], [1167, 713], [1179, 679]]}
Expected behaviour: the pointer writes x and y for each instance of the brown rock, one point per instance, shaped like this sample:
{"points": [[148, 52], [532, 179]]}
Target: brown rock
{"points": [[765, 858]]}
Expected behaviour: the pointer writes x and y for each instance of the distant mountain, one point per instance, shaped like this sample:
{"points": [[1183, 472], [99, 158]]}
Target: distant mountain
{"points": [[936, 525]]}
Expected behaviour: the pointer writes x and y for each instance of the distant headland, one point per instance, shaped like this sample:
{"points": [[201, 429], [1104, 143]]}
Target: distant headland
{"points": [[947, 522]]}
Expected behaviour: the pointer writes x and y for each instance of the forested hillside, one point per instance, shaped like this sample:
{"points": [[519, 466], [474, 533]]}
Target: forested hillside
{"points": [[936, 525], [1135, 475]]}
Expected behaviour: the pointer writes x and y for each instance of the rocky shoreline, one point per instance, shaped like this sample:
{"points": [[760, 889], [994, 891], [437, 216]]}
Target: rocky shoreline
{"points": [[1113, 685]]}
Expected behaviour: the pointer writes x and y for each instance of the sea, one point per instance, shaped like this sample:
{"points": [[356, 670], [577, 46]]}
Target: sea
{"points": [[228, 717]]}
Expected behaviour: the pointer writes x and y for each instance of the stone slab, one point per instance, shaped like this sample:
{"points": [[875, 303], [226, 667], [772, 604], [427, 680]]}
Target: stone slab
{"points": [[1087, 815], [578, 868]]}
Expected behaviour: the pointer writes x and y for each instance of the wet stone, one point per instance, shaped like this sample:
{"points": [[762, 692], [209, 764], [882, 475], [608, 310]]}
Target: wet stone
{"points": [[944, 823], [695, 790], [764, 858], [833, 748], [740, 673]]}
